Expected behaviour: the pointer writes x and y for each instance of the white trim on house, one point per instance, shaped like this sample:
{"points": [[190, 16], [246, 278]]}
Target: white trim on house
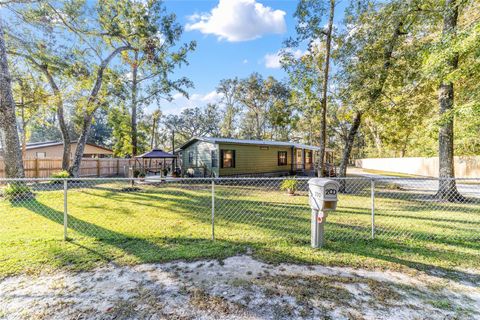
{"points": [[252, 142]]}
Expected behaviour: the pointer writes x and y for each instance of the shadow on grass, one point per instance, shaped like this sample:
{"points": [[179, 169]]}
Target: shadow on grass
{"points": [[144, 251], [285, 219], [354, 253], [382, 213], [291, 222], [381, 249]]}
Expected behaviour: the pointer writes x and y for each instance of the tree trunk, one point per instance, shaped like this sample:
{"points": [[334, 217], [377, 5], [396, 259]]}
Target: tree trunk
{"points": [[74, 169], [91, 106], [67, 142], [374, 95], [323, 122], [447, 189], [153, 132], [258, 131], [134, 106], [23, 127], [8, 125], [348, 148], [61, 119]]}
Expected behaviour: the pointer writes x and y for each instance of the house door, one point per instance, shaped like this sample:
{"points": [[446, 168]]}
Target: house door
{"points": [[299, 160]]}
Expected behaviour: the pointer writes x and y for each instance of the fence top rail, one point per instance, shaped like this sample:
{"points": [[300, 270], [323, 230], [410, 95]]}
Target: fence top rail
{"points": [[171, 179]]}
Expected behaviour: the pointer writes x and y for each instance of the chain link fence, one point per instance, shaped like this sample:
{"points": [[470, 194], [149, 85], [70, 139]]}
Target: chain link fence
{"points": [[239, 210]]}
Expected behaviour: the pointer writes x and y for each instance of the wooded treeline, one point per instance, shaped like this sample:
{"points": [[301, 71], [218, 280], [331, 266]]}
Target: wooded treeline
{"points": [[395, 78]]}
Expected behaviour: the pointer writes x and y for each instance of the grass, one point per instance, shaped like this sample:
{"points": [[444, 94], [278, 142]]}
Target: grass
{"points": [[164, 222], [391, 174]]}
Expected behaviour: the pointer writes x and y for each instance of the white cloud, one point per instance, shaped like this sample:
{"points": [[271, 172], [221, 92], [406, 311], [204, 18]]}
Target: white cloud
{"points": [[179, 102], [245, 61], [239, 20], [211, 97], [272, 60]]}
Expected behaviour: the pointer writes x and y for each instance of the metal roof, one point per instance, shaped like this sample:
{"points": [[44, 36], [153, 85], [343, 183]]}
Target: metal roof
{"points": [[252, 142], [157, 154], [35, 145]]}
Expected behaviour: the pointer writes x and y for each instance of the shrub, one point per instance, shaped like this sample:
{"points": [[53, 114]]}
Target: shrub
{"points": [[17, 191], [137, 173], [289, 185], [60, 175]]}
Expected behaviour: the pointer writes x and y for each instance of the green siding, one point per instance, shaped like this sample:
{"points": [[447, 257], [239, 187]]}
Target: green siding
{"points": [[202, 156], [253, 159], [249, 159]]}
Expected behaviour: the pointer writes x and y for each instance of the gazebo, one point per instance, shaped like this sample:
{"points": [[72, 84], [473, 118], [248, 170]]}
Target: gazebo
{"points": [[156, 155]]}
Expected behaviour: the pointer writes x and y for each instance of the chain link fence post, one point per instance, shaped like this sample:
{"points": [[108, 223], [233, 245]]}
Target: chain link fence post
{"points": [[65, 210], [372, 191], [213, 209]]}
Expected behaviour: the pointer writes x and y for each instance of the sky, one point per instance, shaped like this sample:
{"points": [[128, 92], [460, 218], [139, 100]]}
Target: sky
{"points": [[234, 38]]}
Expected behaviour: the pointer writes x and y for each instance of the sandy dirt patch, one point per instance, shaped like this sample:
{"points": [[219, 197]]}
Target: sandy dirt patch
{"points": [[236, 288]]}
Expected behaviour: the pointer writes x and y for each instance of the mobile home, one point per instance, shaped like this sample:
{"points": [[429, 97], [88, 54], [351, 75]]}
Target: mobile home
{"points": [[220, 157]]}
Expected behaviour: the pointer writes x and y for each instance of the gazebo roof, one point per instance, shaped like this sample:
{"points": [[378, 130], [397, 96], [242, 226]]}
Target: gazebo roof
{"points": [[157, 154]]}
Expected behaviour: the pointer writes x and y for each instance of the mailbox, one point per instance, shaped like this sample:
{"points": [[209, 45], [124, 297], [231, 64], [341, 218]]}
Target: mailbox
{"points": [[323, 194], [322, 198]]}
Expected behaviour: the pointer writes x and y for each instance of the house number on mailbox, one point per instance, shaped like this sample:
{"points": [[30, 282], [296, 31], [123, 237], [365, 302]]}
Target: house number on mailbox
{"points": [[331, 192]]}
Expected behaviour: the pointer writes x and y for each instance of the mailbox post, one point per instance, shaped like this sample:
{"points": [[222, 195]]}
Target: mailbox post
{"points": [[322, 198]]}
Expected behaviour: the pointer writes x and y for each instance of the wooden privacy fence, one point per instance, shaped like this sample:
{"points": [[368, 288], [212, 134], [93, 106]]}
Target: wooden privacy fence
{"points": [[103, 167]]}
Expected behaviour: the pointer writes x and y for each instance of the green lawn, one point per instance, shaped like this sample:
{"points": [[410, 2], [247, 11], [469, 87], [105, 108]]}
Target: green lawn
{"points": [[391, 174], [164, 222]]}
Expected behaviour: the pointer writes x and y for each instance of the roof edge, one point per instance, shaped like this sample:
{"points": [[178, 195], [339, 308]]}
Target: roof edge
{"points": [[38, 145], [249, 142]]}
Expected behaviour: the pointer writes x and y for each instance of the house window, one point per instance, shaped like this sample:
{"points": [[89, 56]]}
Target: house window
{"points": [[190, 157], [308, 157], [282, 158], [214, 158], [41, 155], [228, 158]]}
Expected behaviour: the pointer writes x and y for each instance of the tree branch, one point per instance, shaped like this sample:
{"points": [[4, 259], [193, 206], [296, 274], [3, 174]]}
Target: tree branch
{"points": [[98, 82]]}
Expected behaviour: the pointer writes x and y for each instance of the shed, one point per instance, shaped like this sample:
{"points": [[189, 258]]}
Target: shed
{"points": [[54, 149]]}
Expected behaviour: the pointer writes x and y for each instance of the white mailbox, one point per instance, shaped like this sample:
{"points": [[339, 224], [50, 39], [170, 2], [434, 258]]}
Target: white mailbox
{"points": [[323, 195]]}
